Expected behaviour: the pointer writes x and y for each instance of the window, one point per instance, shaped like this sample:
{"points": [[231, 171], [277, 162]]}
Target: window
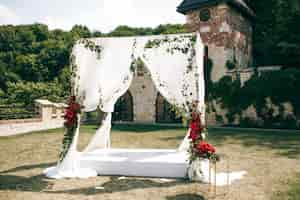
{"points": [[204, 15]]}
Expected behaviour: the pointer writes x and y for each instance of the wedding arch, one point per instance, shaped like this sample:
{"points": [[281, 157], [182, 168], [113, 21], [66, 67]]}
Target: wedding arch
{"points": [[102, 71]]}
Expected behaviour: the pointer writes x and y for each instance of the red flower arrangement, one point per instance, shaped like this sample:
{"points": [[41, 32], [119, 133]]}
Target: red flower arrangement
{"points": [[71, 112], [71, 124], [195, 127], [205, 148], [198, 147]]}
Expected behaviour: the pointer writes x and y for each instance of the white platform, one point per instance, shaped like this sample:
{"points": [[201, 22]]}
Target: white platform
{"points": [[137, 162]]}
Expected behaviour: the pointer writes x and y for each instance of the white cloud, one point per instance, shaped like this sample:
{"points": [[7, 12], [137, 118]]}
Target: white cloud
{"points": [[7, 16]]}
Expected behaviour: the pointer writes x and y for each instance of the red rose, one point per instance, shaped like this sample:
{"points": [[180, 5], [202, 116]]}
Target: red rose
{"points": [[196, 122], [71, 112], [196, 116], [195, 130], [193, 135], [75, 107], [204, 147]]}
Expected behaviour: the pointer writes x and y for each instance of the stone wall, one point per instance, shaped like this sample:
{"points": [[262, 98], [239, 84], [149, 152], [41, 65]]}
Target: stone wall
{"points": [[144, 96], [228, 35], [50, 117]]}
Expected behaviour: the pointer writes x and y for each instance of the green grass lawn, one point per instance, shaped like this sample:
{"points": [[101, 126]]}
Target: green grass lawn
{"points": [[272, 160]]}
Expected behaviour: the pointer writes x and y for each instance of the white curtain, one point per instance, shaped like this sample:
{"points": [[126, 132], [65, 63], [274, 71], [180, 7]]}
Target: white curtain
{"points": [[176, 67]]}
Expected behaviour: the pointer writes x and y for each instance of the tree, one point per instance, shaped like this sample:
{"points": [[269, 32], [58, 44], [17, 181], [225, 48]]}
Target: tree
{"points": [[276, 34], [7, 38], [97, 34], [123, 31], [41, 32], [6, 75], [80, 31], [169, 29]]}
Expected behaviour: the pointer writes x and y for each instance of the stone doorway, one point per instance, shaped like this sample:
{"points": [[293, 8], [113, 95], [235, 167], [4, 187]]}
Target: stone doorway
{"points": [[123, 109], [164, 114]]}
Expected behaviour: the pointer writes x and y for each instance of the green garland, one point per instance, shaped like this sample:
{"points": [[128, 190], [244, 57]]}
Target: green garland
{"points": [[92, 46], [71, 117], [67, 140]]}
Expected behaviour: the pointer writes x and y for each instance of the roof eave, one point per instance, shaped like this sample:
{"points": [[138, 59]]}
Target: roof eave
{"points": [[185, 9]]}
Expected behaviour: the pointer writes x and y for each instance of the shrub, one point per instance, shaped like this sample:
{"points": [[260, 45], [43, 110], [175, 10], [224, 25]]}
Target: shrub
{"points": [[26, 92]]}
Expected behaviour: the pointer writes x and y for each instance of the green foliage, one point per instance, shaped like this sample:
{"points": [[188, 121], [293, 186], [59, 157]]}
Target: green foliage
{"points": [[33, 58], [71, 125], [153, 43], [169, 29], [26, 92], [17, 111], [219, 119], [97, 34], [124, 31], [34, 61], [79, 31], [6, 75], [67, 140], [64, 81], [92, 46], [276, 33], [230, 64], [2, 94], [161, 29], [279, 86], [32, 53]]}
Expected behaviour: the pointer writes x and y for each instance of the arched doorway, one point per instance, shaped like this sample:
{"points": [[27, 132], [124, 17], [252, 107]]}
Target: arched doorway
{"points": [[164, 114], [124, 108]]}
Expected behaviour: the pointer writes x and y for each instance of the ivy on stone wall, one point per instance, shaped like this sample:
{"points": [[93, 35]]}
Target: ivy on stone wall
{"points": [[230, 65], [267, 93]]}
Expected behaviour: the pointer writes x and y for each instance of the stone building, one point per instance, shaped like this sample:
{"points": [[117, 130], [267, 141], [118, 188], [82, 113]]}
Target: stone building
{"points": [[142, 103], [226, 29]]}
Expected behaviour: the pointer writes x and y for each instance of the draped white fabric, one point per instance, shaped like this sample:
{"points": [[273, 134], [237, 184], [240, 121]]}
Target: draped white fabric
{"points": [[175, 65], [101, 139], [199, 171], [103, 81], [70, 167]]}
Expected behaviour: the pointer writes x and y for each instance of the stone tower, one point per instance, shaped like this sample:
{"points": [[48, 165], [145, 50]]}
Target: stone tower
{"points": [[226, 29]]}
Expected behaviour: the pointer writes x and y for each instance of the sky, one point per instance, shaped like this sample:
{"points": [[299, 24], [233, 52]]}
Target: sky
{"points": [[101, 15]]}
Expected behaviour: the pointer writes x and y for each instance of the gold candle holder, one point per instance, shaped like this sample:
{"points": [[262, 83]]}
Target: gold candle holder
{"points": [[213, 184], [213, 177]]}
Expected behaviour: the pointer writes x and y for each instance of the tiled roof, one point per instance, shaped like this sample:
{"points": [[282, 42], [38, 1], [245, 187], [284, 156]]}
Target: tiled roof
{"points": [[188, 5]]}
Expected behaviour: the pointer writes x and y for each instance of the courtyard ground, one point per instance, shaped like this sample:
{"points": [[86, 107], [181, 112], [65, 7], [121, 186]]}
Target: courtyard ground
{"points": [[271, 158]]}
